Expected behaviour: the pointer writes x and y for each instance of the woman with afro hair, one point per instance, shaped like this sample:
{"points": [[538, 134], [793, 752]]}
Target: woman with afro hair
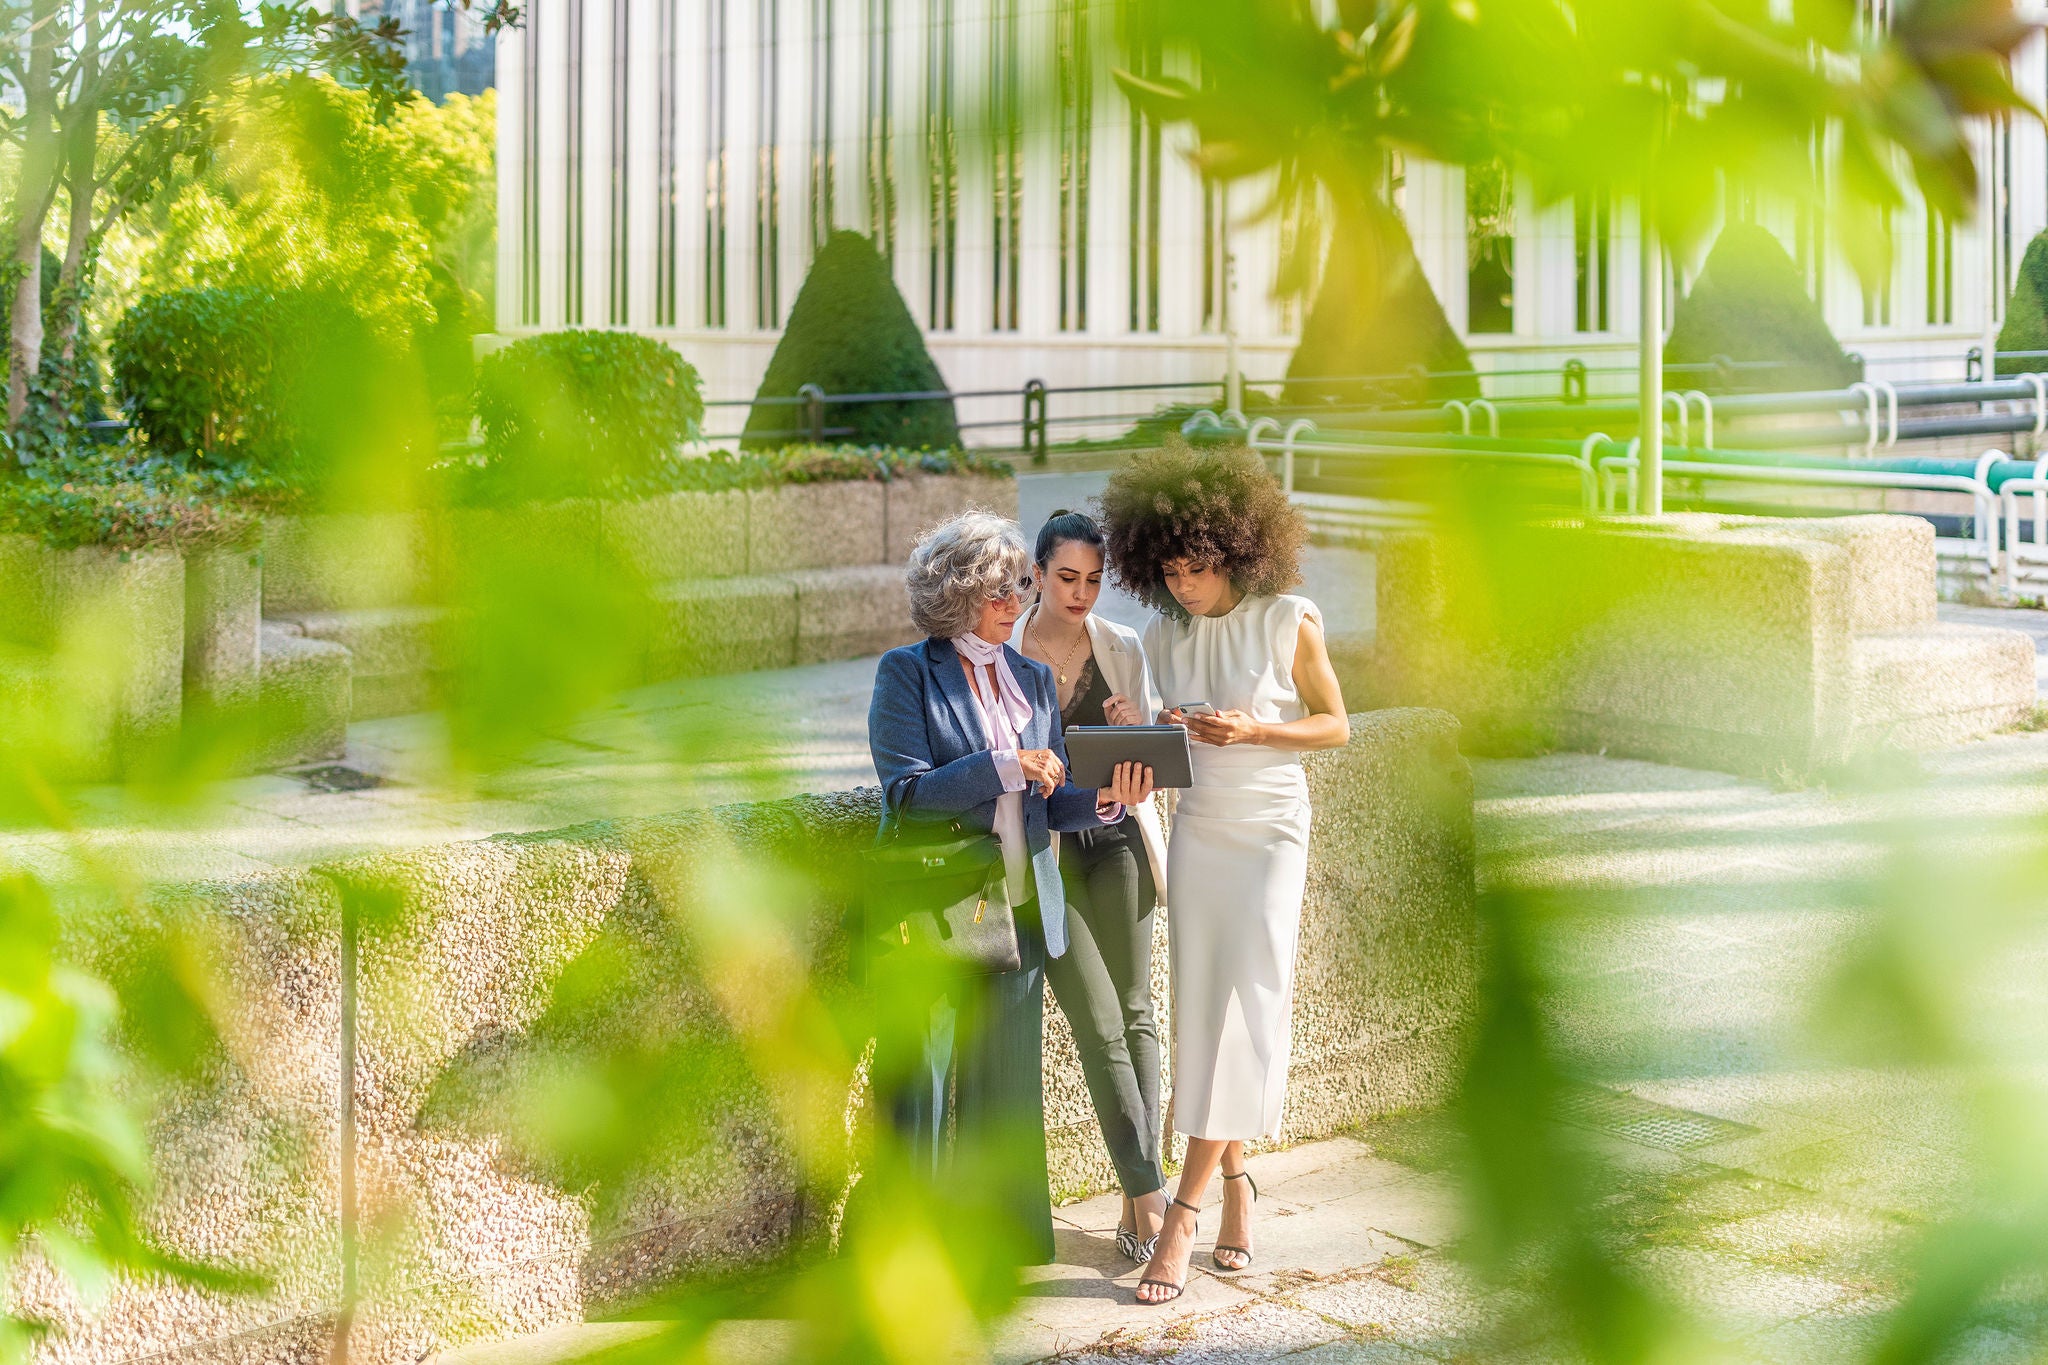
{"points": [[1208, 538]]}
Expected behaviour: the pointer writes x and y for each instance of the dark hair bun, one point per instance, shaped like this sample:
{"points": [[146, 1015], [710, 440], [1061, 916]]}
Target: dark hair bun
{"points": [[1063, 526]]}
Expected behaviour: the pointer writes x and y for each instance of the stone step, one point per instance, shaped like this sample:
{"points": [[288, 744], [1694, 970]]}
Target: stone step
{"points": [[1938, 683], [306, 697], [395, 652]]}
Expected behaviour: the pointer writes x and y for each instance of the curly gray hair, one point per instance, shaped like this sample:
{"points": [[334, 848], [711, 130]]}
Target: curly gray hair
{"points": [[960, 564]]}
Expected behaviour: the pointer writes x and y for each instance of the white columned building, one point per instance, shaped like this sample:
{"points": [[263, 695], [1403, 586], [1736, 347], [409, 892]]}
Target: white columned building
{"points": [[670, 167]]}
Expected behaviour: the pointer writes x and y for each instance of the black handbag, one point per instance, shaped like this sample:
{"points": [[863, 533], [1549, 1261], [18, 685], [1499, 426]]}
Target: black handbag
{"points": [[937, 892]]}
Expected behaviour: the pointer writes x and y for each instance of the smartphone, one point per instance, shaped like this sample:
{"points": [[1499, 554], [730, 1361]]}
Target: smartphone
{"points": [[1195, 708]]}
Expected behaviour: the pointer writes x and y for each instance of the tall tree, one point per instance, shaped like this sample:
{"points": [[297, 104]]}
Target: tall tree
{"points": [[115, 94]]}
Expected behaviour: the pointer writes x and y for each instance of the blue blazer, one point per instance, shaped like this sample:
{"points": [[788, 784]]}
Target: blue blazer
{"points": [[934, 761]]}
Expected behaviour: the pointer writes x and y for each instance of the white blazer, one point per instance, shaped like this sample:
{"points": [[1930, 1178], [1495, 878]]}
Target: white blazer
{"points": [[1121, 658]]}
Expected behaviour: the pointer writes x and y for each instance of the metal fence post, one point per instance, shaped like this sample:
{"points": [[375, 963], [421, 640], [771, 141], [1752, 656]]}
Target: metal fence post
{"points": [[814, 412], [1574, 381], [1035, 423]]}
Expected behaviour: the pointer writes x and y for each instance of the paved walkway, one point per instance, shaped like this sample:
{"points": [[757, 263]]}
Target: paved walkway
{"points": [[1758, 1178]]}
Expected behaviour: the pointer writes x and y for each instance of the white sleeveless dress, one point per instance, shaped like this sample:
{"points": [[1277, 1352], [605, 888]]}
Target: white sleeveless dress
{"points": [[1236, 863]]}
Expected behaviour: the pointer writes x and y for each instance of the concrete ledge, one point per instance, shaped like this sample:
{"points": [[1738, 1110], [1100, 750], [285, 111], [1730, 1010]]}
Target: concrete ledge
{"points": [[917, 502], [722, 625], [851, 613], [339, 561], [94, 641], [223, 618], [1940, 684], [1726, 642], [678, 535], [306, 698], [462, 948], [814, 526]]}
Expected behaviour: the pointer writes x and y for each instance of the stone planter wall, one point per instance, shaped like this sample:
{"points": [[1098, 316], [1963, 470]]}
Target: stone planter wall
{"points": [[735, 581], [92, 675], [223, 626], [456, 983]]}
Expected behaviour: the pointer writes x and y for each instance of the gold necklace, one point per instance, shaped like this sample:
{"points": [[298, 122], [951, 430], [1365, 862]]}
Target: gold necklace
{"points": [[1062, 668]]}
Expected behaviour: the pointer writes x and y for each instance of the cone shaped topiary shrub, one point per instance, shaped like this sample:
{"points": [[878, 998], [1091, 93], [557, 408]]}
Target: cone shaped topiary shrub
{"points": [[1750, 304], [849, 332], [2026, 317], [1376, 315]]}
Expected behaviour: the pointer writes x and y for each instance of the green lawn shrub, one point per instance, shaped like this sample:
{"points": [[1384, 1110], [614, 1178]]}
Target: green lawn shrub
{"points": [[127, 500], [2026, 316], [584, 412], [1375, 314], [850, 332], [1750, 304], [268, 384]]}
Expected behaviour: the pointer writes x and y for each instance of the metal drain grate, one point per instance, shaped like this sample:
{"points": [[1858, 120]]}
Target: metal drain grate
{"points": [[1644, 1122], [335, 778]]}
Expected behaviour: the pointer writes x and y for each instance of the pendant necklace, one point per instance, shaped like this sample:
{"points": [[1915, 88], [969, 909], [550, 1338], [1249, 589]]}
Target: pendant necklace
{"points": [[1062, 669]]}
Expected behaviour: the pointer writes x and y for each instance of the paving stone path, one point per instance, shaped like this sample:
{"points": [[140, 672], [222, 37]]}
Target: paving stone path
{"points": [[1762, 1181]]}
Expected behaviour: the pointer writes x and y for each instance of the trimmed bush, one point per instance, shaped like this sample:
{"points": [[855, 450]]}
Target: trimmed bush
{"points": [[850, 332], [272, 383], [1750, 304], [1376, 315], [2026, 316], [585, 411]]}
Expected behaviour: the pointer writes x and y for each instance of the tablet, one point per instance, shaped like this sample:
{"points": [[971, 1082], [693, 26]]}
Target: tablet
{"points": [[1094, 750]]}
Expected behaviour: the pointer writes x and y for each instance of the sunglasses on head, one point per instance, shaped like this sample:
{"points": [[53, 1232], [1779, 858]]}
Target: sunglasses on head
{"points": [[1023, 589]]}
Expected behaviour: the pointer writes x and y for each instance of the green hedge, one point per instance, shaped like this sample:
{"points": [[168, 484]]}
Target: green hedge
{"points": [[1750, 303], [1376, 315], [267, 382], [115, 499], [850, 332], [721, 470], [584, 412], [2026, 316]]}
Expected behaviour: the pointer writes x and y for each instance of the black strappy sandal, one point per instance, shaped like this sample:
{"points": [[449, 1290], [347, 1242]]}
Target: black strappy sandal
{"points": [[1215, 1255], [1182, 1287]]}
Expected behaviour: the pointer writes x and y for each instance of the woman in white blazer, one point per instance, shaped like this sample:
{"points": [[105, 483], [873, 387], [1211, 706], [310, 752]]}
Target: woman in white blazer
{"points": [[1114, 876]]}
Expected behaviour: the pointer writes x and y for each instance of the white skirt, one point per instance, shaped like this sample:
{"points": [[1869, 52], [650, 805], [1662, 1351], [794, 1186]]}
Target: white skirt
{"points": [[1236, 865]]}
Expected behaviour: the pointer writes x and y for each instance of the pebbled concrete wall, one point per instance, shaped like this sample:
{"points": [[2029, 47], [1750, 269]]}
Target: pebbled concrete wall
{"points": [[470, 958], [1753, 644]]}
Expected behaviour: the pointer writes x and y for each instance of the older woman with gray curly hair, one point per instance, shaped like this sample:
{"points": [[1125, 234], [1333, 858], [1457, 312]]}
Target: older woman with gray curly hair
{"points": [[966, 730]]}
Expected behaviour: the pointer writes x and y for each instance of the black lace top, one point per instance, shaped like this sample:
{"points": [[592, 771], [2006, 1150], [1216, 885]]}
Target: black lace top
{"points": [[1091, 690]]}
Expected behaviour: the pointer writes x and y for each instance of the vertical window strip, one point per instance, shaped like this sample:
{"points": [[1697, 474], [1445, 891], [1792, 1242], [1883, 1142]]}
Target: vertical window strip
{"points": [[717, 178], [1215, 255], [1075, 73], [1941, 268], [621, 223], [665, 169], [767, 169], [1592, 238], [879, 155], [942, 160], [1006, 144], [824, 163], [572, 269], [1143, 249], [529, 170]]}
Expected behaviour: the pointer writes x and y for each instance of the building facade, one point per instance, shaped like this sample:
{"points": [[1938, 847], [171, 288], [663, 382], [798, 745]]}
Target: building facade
{"points": [[671, 166]]}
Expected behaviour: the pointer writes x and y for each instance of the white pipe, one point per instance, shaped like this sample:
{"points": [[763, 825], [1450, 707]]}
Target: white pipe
{"points": [[1684, 408], [1869, 392], [1294, 431], [1706, 417], [1492, 416], [1891, 396], [1464, 416]]}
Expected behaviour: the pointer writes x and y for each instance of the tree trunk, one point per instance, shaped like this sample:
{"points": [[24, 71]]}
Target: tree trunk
{"points": [[81, 183], [38, 185]]}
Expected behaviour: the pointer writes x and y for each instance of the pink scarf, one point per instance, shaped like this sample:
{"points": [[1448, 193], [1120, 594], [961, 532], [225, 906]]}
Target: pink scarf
{"points": [[1006, 719]]}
